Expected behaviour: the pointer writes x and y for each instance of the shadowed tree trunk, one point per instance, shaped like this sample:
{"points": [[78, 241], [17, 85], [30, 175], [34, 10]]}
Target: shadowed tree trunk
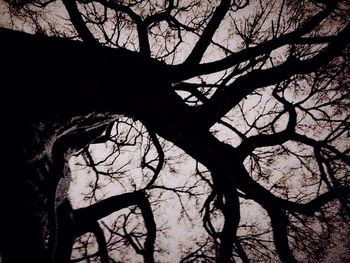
{"points": [[49, 82], [59, 95], [46, 83]]}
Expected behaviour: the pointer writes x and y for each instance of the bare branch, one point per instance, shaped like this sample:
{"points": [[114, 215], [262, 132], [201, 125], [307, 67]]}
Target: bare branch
{"points": [[78, 22], [207, 35]]}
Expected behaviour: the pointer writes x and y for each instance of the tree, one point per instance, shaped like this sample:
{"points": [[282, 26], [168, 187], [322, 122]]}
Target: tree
{"points": [[253, 97]]}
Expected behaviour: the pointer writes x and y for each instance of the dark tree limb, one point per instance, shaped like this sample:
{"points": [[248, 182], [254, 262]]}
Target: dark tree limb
{"points": [[231, 211], [279, 223], [321, 144], [86, 218], [142, 31], [208, 32], [101, 241], [161, 159], [225, 99], [315, 204], [66, 62], [150, 224], [263, 140], [240, 250], [65, 234], [294, 37], [78, 22], [88, 215]]}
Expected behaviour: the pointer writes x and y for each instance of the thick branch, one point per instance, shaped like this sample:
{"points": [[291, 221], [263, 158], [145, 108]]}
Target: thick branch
{"points": [[241, 253], [69, 63], [148, 250], [142, 31], [101, 241], [64, 236], [78, 22], [87, 216], [264, 140], [207, 35], [231, 211], [279, 222], [315, 204]]}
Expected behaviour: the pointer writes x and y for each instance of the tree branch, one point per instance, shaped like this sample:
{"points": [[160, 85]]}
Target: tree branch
{"points": [[183, 72], [321, 144], [148, 250], [101, 241], [86, 217], [279, 222], [78, 22], [225, 99], [315, 204], [231, 211], [160, 163], [204, 41]]}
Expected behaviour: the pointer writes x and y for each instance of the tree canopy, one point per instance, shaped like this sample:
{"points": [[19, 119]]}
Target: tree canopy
{"points": [[180, 131]]}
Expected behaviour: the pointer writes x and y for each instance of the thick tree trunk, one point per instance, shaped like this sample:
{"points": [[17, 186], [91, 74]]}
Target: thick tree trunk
{"points": [[49, 81], [46, 82], [24, 189]]}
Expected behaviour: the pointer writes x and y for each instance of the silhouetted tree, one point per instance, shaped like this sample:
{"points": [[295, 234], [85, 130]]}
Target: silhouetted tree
{"points": [[232, 114]]}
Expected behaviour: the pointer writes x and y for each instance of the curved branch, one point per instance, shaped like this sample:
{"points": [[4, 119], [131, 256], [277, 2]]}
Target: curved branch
{"points": [[321, 144], [86, 218], [207, 224], [160, 163], [142, 27], [337, 193], [263, 140], [160, 16]]}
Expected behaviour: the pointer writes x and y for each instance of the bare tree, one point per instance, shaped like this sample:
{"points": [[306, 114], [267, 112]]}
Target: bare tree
{"points": [[233, 113]]}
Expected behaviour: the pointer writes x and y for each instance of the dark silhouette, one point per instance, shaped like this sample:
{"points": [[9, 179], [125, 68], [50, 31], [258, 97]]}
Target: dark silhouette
{"points": [[256, 95]]}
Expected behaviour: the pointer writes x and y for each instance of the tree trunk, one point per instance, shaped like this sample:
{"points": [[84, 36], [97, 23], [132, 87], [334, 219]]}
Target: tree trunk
{"points": [[47, 82], [50, 81]]}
